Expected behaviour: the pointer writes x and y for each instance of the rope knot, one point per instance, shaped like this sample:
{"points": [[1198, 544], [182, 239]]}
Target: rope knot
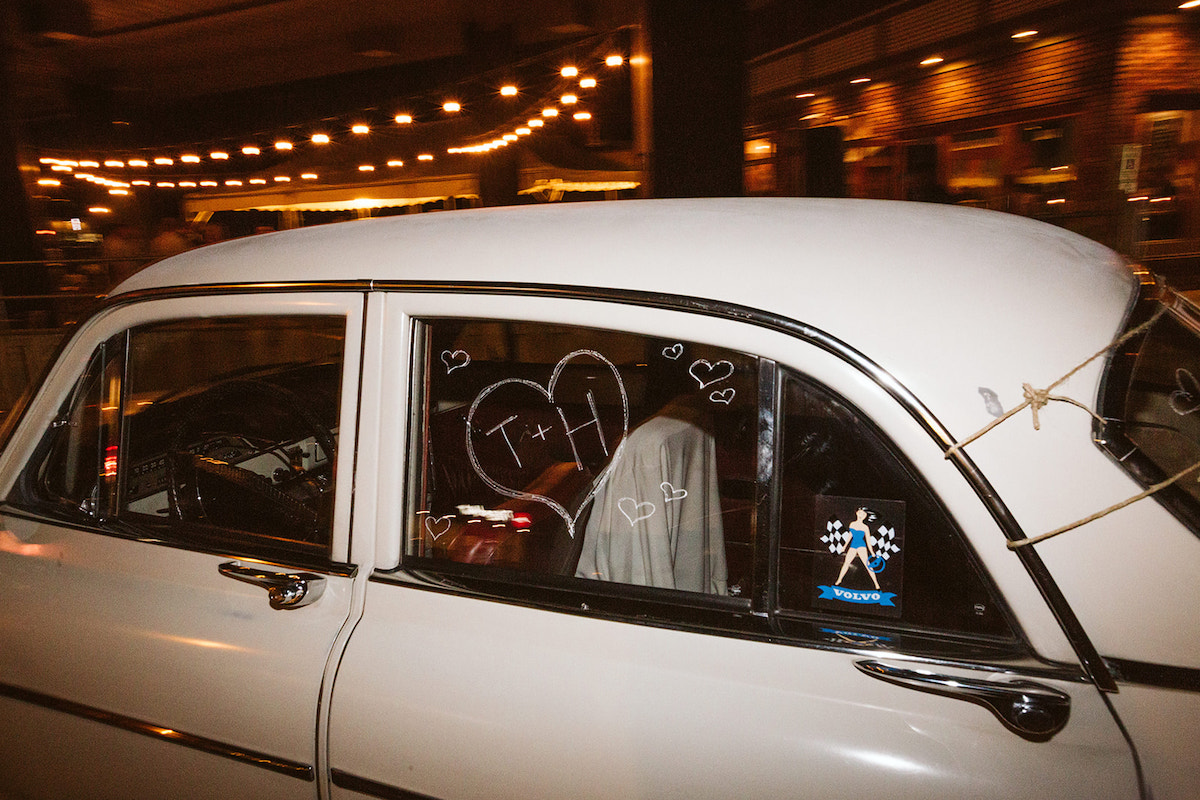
{"points": [[1036, 398]]}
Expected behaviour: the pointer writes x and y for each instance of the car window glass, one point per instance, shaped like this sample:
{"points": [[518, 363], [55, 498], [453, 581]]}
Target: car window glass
{"points": [[1151, 401], [861, 537], [584, 454], [231, 426], [83, 442]]}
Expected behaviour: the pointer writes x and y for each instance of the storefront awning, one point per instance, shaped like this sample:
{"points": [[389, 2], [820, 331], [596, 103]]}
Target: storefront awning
{"points": [[297, 197]]}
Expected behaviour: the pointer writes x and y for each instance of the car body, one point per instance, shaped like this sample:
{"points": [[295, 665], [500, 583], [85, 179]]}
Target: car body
{"points": [[637, 499]]}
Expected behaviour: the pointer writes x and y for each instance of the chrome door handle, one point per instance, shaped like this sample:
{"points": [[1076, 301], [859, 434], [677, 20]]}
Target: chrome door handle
{"points": [[1030, 710], [284, 589]]}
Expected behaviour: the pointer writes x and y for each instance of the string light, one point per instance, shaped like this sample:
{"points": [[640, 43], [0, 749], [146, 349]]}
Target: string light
{"points": [[499, 137]]}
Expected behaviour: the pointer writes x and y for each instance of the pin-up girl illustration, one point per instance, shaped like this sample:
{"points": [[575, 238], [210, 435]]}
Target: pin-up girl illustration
{"points": [[860, 546]]}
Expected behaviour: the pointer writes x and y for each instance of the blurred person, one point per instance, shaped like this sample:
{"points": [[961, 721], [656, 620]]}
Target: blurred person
{"points": [[212, 233], [170, 239], [126, 249]]}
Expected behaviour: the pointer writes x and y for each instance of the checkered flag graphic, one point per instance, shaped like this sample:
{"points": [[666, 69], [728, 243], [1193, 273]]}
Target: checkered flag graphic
{"points": [[835, 538], [885, 542]]}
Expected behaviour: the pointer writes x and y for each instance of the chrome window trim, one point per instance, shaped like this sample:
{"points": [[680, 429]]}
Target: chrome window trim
{"points": [[1083, 647], [204, 744]]}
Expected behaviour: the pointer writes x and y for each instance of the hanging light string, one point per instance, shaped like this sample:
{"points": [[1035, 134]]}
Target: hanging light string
{"points": [[1036, 399], [598, 48]]}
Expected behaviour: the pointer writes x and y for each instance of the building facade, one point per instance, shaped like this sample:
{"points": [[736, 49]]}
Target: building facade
{"points": [[1085, 115]]}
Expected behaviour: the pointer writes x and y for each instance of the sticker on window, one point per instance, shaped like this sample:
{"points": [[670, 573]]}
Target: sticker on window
{"points": [[859, 555]]}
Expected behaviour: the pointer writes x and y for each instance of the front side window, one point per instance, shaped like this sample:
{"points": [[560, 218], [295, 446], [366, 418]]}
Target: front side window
{"points": [[202, 431], [585, 455]]}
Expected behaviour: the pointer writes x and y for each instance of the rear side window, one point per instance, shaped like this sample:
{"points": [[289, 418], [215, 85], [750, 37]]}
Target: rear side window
{"points": [[578, 454], [861, 536], [1151, 403], [576, 466]]}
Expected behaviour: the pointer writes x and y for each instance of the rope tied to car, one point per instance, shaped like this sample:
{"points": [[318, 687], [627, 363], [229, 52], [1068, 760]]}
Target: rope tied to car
{"points": [[1036, 399], [1013, 545], [1039, 398]]}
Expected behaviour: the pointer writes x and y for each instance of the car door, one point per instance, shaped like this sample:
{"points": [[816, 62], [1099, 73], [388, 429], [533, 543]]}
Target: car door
{"points": [[689, 557], [173, 548]]}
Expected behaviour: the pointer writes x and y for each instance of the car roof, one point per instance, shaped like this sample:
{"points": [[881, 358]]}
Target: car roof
{"points": [[947, 299]]}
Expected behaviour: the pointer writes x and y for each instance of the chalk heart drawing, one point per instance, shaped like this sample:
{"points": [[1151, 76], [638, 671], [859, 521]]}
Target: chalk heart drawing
{"points": [[724, 396], [439, 526], [673, 352], [455, 359], [1186, 399], [634, 511], [547, 395], [670, 493], [706, 374]]}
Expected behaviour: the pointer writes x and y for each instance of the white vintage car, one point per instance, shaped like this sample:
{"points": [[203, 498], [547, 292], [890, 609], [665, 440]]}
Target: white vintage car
{"points": [[648, 499]]}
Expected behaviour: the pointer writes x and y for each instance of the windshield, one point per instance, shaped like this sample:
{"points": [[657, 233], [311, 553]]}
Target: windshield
{"points": [[1150, 399]]}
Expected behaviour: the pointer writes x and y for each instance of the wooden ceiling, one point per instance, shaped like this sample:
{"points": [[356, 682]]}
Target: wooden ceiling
{"points": [[99, 57]]}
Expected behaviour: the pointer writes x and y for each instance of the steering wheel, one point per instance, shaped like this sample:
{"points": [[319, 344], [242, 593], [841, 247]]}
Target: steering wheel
{"points": [[206, 488]]}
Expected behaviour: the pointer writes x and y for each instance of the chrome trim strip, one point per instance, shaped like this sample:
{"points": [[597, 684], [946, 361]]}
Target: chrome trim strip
{"points": [[1161, 676], [344, 780], [1088, 656], [211, 746]]}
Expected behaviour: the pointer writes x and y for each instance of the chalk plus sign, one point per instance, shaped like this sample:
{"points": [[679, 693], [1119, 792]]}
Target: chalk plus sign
{"points": [[541, 432]]}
